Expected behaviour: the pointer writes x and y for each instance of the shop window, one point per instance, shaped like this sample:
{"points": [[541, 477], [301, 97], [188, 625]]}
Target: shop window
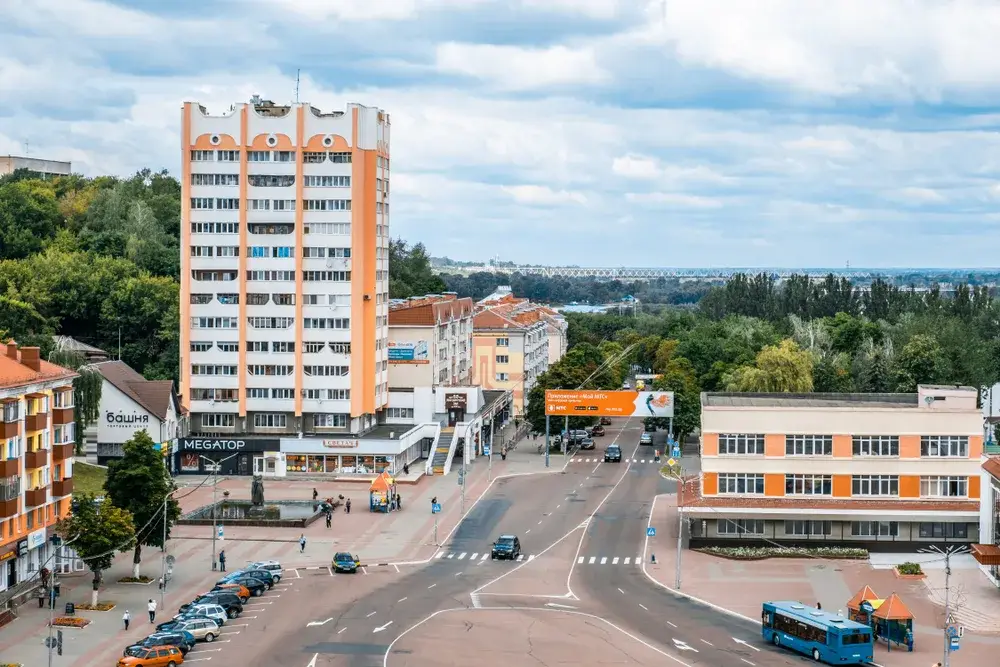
{"points": [[295, 463]]}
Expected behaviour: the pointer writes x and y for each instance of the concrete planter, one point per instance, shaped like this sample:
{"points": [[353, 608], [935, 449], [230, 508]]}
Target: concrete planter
{"points": [[912, 577]]}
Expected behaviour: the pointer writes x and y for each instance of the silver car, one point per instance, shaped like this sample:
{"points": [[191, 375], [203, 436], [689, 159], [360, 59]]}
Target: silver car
{"points": [[272, 566], [203, 629], [211, 611]]}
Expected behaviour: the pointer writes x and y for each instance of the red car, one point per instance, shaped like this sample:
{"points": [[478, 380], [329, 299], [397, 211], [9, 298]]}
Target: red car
{"points": [[605, 421], [597, 430]]}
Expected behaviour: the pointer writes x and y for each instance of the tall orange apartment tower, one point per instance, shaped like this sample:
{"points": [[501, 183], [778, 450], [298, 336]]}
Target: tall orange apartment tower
{"points": [[284, 269]]}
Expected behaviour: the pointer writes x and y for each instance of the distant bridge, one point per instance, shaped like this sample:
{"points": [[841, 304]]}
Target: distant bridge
{"points": [[629, 274]]}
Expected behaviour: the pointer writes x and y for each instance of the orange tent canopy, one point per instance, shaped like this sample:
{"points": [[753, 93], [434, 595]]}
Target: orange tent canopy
{"points": [[865, 593], [383, 482], [893, 609]]}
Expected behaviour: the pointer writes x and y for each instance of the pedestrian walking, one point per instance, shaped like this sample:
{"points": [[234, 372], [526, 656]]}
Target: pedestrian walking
{"points": [[347, 506], [222, 560], [329, 519], [315, 493], [406, 468], [151, 607], [126, 617], [302, 544], [399, 501]]}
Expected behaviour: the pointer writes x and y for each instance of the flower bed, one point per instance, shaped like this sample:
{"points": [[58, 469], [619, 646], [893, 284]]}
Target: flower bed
{"points": [[70, 622], [11, 664], [100, 606], [144, 581], [761, 553], [909, 571]]}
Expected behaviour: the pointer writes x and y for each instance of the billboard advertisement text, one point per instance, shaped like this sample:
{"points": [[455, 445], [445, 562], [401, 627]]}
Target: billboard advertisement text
{"points": [[592, 403]]}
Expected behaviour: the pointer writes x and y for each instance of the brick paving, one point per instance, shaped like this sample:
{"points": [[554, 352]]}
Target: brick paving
{"points": [[741, 586]]}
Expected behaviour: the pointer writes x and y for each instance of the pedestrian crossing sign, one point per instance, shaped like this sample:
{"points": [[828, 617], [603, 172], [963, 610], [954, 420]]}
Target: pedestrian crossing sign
{"points": [[651, 532]]}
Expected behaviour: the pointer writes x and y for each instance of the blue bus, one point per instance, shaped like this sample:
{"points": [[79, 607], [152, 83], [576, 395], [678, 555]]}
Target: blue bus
{"points": [[825, 637]]}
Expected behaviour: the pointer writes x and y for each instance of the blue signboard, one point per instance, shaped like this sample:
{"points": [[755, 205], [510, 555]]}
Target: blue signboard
{"points": [[486, 449], [409, 352], [650, 532], [435, 508]]}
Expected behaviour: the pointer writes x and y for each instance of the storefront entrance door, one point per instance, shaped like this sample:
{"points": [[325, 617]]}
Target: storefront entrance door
{"points": [[258, 465], [11, 572]]}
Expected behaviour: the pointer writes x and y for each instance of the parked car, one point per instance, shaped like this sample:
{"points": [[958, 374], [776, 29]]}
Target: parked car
{"points": [[605, 421], [506, 547], [613, 454], [257, 573], [202, 628], [344, 562], [228, 601], [242, 592], [212, 611], [161, 656], [646, 439], [597, 431], [184, 641], [272, 566], [252, 584], [587, 443]]}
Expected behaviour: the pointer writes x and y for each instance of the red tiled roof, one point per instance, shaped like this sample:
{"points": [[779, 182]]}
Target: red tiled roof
{"points": [[694, 499], [494, 318], [13, 373], [992, 466], [429, 311]]}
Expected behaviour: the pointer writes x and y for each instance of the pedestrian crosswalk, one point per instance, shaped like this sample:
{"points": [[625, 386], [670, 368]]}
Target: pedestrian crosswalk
{"points": [[600, 459], [581, 560]]}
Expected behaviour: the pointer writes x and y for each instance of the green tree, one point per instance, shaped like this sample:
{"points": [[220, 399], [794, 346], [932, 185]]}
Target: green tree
{"points": [[97, 531], [919, 362], [136, 309], [29, 216], [410, 271], [782, 368], [139, 482], [679, 377]]}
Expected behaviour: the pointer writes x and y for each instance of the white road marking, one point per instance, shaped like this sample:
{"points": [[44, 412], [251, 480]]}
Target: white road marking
{"points": [[520, 557], [579, 561], [644, 606], [626, 561], [312, 623], [745, 643], [451, 555], [440, 554], [432, 586], [458, 574], [473, 556], [747, 661], [558, 506], [341, 630], [364, 570], [614, 561], [683, 645], [462, 555], [396, 566], [531, 557], [527, 531], [705, 641], [402, 599], [592, 560], [638, 560], [621, 591], [558, 606], [671, 624], [595, 468], [312, 663], [371, 614], [539, 523], [642, 461], [604, 560], [207, 650], [383, 627], [485, 556]]}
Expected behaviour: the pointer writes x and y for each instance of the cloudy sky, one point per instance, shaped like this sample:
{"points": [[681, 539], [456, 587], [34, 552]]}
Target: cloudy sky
{"points": [[594, 132]]}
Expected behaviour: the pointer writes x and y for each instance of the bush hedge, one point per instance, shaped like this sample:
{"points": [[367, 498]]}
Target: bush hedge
{"points": [[761, 553], [909, 568]]}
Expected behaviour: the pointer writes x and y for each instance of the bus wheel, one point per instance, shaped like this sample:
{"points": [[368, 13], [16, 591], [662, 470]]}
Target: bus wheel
{"points": [[776, 639], [816, 654]]}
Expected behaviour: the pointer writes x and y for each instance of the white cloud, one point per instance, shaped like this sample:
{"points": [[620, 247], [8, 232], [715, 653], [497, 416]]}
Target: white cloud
{"points": [[633, 166], [594, 9], [541, 195], [922, 195], [830, 147], [672, 200], [514, 68], [368, 10]]}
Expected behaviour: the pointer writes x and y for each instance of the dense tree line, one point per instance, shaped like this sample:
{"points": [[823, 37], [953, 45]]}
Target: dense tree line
{"points": [[98, 259], [561, 290], [755, 334]]}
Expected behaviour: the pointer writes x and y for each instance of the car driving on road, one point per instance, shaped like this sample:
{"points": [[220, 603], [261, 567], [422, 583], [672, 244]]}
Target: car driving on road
{"points": [[646, 439], [506, 547], [344, 562], [597, 431], [613, 453], [605, 421], [587, 443]]}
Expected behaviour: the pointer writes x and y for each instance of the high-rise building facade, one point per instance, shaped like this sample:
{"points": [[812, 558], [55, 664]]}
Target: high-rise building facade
{"points": [[284, 269]]}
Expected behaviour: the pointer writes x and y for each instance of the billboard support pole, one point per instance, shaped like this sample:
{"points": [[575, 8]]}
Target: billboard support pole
{"points": [[565, 437], [547, 445]]}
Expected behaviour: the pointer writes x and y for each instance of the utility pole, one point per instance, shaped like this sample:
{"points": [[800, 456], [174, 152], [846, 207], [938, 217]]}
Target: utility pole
{"points": [[547, 445], [215, 501], [947, 552], [680, 527], [489, 465], [163, 557], [465, 457]]}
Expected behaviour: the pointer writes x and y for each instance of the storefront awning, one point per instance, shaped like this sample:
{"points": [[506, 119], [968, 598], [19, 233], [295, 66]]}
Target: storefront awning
{"points": [[986, 554]]}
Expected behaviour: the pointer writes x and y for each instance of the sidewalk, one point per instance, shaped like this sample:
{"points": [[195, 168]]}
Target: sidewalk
{"points": [[741, 586]]}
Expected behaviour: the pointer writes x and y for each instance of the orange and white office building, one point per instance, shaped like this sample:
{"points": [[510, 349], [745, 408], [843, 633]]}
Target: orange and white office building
{"points": [[284, 277], [883, 471], [37, 440]]}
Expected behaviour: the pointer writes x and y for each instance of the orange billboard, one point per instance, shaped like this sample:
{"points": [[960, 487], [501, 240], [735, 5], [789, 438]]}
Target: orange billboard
{"points": [[592, 403]]}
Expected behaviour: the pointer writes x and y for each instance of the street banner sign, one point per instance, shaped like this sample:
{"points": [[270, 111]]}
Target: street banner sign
{"points": [[591, 403]]}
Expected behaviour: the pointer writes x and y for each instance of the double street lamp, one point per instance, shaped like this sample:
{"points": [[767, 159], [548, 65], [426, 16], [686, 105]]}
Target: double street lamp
{"points": [[216, 466], [947, 552]]}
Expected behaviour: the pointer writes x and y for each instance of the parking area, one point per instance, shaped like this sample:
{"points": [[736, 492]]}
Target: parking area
{"points": [[294, 573]]}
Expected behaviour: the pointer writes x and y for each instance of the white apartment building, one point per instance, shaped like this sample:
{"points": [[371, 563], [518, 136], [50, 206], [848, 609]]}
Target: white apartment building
{"points": [[284, 270]]}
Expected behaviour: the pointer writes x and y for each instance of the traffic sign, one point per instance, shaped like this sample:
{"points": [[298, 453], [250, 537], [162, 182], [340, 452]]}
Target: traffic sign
{"points": [[435, 508], [954, 644], [651, 532], [222, 535], [671, 462]]}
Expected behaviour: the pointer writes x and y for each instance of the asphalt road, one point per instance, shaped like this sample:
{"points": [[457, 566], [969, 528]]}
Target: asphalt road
{"points": [[596, 512]]}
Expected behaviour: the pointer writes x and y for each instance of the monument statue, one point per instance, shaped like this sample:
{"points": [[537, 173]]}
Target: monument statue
{"points": [[257, 491]]}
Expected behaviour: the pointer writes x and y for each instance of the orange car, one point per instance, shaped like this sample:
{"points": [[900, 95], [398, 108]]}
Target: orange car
{"points": [[242, 592], [157, 656]]}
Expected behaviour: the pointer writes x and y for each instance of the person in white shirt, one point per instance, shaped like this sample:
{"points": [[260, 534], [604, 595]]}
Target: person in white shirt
{"points": [[126, 617], [152, 610]]}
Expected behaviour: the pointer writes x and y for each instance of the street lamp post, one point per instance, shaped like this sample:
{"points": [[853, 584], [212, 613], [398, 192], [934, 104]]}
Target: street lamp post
{"points": [[50, 643], [947, 552], [215, 502]]}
